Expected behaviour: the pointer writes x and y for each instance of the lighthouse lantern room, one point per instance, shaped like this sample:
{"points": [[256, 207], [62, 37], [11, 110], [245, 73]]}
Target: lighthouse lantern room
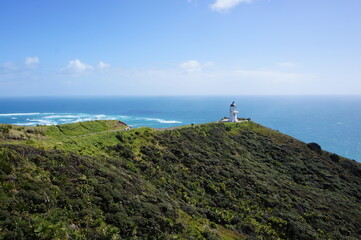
{"points": [[233, 113]]}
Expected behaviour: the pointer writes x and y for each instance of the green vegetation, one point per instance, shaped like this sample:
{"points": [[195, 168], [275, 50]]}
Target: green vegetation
{"points": [[93, 180]]}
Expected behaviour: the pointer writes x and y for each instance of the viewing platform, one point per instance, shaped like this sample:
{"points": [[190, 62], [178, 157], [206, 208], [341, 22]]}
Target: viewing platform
{"points": [[226, 119]]}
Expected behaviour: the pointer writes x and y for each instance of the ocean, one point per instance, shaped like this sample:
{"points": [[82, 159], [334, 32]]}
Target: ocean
{"points": [[334, 122]]}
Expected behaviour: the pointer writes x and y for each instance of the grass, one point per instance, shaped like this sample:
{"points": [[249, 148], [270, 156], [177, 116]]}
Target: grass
{"points": [[92, 137], [215, 180], [86, 138]]}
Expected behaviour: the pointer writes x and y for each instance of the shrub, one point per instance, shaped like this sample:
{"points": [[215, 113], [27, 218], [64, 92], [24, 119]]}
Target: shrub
{"points": [[334, 157], [120, 138], [314, 147], [5, 129]]}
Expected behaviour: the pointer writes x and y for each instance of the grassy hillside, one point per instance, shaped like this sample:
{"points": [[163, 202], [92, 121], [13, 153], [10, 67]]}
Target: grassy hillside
{"points": [[93, 180]]}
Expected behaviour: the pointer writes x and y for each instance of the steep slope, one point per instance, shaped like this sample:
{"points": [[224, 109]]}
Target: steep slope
{"points": [[212, 181]]}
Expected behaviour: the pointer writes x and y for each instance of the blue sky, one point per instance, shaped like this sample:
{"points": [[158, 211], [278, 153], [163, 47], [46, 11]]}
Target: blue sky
{"points": [[179, 47]]}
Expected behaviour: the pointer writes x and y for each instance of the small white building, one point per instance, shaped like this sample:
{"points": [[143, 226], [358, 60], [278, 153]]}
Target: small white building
{"points": [[233, 112], [233, 115]]}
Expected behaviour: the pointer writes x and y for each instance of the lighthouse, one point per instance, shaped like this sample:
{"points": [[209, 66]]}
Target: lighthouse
{"points": [[233, 113]]}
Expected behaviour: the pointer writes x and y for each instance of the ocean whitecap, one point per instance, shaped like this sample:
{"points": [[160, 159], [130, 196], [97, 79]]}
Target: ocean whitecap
{"points": [[161, 120], [18, 114]]}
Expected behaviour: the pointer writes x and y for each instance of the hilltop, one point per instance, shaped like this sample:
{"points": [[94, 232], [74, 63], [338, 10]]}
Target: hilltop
{"points": [[102, 180]]}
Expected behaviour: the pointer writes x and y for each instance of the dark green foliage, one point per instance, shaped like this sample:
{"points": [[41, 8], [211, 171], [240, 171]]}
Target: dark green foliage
{"points": [[62, 195], [334, 157], [120, 138], [122, 151], [314, 147], [249, 183], [5, 129], [213, 181]]}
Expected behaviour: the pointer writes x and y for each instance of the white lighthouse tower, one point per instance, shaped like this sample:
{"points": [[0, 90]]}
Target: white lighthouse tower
{"points": [[233, 113]]}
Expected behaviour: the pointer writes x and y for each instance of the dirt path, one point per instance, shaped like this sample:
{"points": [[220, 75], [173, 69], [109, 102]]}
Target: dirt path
{"points": [[170, 128], [126, 129], [114, 130]]}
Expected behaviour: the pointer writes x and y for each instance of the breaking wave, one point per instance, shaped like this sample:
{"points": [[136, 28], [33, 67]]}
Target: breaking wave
{"points": [[18, 114], [34, 119], [161, 120]]}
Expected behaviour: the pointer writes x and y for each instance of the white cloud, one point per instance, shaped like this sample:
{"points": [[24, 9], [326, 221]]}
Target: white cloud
{"points": [[76, 66], [10, 66], [103, 65], [208, 64], [191, 66], [270, 75], [286, 64], [188, 78], [31, 61], [224, 5]]}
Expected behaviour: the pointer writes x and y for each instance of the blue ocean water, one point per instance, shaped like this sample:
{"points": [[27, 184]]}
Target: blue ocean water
{"points": [[334, 122]]}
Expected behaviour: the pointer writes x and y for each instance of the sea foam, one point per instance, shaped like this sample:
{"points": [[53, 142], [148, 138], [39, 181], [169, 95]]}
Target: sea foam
{"points": [[36, 118], [160, 120], [18, 114]]}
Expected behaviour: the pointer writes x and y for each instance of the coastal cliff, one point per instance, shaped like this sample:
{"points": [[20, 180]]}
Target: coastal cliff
{"points": [[103, 180]]}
